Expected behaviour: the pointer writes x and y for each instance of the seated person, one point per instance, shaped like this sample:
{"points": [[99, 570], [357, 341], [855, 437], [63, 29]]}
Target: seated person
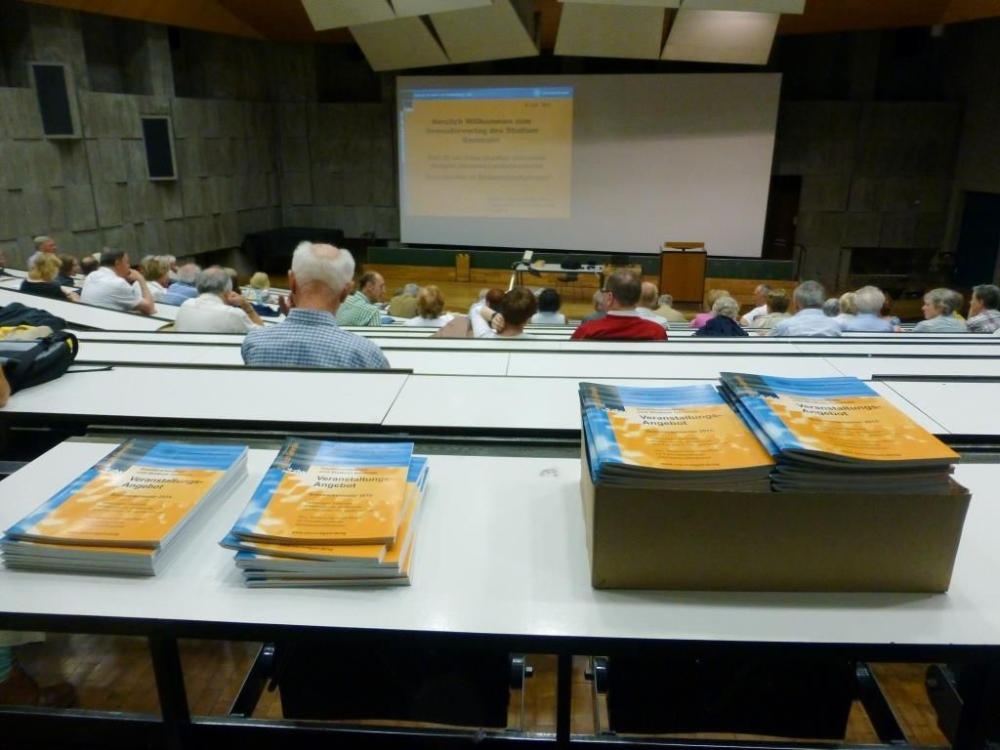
{"points": [[361, 308], [622, 321], [430, 309], [183, 287], [217, 308], [514, 313], [886, 313], [599, 309], [847, 307], [831, 308], [810, 320], [90, 264], [648, 299], [777, 309], [957, 303], [157, 276], [703, 317], [259, 288], [868, 301], [939, 313], [984, 317], [319, 281], [117, 286], [68, 270], [548, 313], [404, 303], [760, 310], [666, 309], [41, 279], [724, 323]]}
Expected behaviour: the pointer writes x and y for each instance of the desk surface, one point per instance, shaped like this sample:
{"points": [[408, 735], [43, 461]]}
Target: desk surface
{"points": [[78, 313], [867, 368], [960, 408], [508, 557], [230, 395], [665, 365]]}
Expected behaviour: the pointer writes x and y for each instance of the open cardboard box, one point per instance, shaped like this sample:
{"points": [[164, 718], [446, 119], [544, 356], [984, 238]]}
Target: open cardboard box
{"points": [[640, 538]]}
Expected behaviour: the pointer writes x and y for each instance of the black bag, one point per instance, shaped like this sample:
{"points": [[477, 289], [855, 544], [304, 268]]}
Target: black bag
{"points": [[28, 363], [16, 314]]}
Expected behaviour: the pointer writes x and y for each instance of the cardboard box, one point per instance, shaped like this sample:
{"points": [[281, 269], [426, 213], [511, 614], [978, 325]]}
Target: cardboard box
{"points": [[770, 541]]}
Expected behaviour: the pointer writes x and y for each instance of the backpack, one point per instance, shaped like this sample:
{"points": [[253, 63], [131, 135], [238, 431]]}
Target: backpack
{"points": [[16, 314], [28, 363]]}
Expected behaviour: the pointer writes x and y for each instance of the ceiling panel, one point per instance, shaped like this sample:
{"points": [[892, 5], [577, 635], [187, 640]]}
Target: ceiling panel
{"points": [[398, 44], [604, 31], [426, 7], [496, 32], [721, 37], [333, 14]]}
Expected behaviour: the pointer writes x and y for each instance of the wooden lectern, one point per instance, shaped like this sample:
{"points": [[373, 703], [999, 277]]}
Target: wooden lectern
{"points": [[682, 271]]}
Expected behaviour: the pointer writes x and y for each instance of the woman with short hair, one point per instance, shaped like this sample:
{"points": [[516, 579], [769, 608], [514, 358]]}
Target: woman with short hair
{"points": [[430, 309]]}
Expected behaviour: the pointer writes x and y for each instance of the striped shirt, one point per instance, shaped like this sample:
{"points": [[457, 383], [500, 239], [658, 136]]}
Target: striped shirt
{"points": [[310, 338], [358, 311]]}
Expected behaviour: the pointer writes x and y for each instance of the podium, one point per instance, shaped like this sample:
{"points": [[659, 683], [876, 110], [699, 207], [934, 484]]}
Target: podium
{"points": [[682, 271]]}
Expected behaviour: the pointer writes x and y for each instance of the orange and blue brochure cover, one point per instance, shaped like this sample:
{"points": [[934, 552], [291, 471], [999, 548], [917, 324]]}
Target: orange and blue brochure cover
{"points": [[137, 496], [325, 492], [684, 429], [836, 419]]}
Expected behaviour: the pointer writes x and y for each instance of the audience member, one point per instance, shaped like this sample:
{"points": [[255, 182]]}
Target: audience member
{"points": [[760, 300], [778, 302], [183, 286], [703, 317], [621, 293], [939, 313], [42, 282], [868, 302], [68, 269], [117, 286], [518, 305], [404, 302], [89, 264], [666, 309], [831, 307], [847, 307], [957, 303], [886, 313], [43, 246], [724, 323], [319, 281], [361, 308], [170, 261], [157, 276], [217, 308], [810, 320], [430, 309], [260, 288], [599, 307], [648, 298], [548, 313], [984, 317]]}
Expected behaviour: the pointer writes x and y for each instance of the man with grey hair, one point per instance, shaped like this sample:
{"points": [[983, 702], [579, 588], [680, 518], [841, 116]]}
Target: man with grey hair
{"points": [[319, 282], [810, 320], [760, 300], [666, 309], [939, 313], [43, 246], [869, 301], [183, 287], [648, 298], [984, 317], [600, 310], [404, 303], [217, 308]]}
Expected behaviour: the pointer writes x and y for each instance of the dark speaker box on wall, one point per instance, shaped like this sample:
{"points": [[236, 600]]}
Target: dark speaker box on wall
{"points": [[53, 83], [158, 136]]}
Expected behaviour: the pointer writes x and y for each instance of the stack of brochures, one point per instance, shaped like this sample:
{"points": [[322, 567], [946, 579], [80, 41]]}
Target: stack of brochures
{"points": [[125, 514], [332, 514], [838, 434], [685, 436]]}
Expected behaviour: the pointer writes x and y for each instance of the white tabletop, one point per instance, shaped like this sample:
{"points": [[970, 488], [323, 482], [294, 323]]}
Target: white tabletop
{"points": [[78, 313], [243, 394], [913, 411], [867, 368], [506, 558], [696, 367], [962, 408]]}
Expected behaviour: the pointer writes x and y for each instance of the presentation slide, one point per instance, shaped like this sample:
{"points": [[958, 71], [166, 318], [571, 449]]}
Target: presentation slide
{"points": [[610, 164], [489, 152]]}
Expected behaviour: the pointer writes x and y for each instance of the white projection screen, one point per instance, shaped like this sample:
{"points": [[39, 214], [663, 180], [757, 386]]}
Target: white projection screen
{"points": [[614, 164]]}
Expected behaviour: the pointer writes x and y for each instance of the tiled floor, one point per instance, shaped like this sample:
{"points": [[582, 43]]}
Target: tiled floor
{"points": [[115, 674]]}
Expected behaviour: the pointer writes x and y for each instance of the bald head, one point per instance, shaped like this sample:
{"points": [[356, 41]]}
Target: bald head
{"points": [[650, 295]]}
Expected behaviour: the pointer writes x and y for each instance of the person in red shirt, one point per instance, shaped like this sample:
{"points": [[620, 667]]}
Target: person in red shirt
{"points": [[621, 293]]}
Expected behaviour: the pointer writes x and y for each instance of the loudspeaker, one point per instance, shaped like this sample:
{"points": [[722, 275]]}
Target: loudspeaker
{"points": [[157, 134], [53, 84]]}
